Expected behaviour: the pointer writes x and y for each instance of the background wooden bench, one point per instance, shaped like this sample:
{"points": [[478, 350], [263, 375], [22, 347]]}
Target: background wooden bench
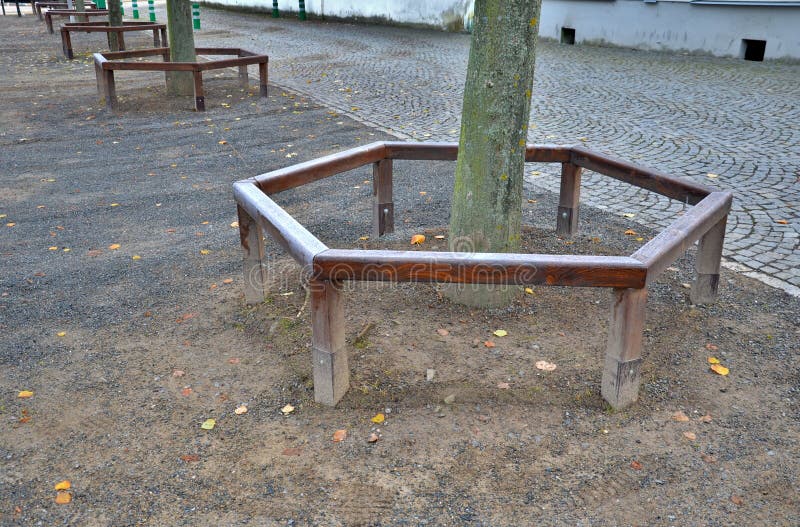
{"points": [[50, 13], [159, 32]]}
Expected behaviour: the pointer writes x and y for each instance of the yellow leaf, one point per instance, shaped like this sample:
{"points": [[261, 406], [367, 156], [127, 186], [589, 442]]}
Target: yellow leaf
{"points": [[378, 419], [63, 485], [712, 176], [529, 291], [287, 409], [713, 360], [114, 246], [363, 238], [208, 424], [115, 204], [63, 497], [25, 394], [500, 333], [782, 222], [223, 142], [339, 435], [10, 224], [136, 257], [439, 236], [61, 334], [630, 232], [67, 249], [52, 248], [4, 215], [720, 369], [228, 281], [418, 239], [235, 224], [240, 410], [205, 251]]}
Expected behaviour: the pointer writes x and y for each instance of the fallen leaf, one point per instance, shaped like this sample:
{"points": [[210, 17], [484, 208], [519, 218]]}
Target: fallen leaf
{"points": [[635, 465], [208, 424], [339, 435], [286, 410], [503, 385], [61, 334], [442, 332], [529, 291], [373, 438], [737, 500], [705, 418], [544, 365], [235, 224], [223, 142], [631, 232], [25, 394], [691, 436], [115, 204], [94, 252], [629, 215], [711, 175], [378, 419], [713, 360], [680, 417], [711, 347], [114, 246], [418, 239], [136, 257], [439, 236], [63, 485], [10, 224], [185, 317], [63, 497], [186, 392], [500, 333], [240, 410], [228, 281], [489, 344], [708, 458], [782, 222], [720, 369], [190, 458], [296, 451], [178, 373], [204, 251], [52, 248], [234, 360]]}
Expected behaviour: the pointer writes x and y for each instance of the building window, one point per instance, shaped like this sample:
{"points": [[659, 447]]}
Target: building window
{"points": [[753, 49], [568, 35]]}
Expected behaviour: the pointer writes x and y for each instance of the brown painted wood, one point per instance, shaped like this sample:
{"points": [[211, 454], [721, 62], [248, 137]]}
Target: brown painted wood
{"points": [[449, 152], [382, 202], [646, 178], [199, 94], [298, 242], [302, 173], [48, 16], [622, 371], [103, 27], [709, 256], [569, 200], [660, 252], [263, 78], [255, 272], [329, 354], [38, 6], [479, 268]]}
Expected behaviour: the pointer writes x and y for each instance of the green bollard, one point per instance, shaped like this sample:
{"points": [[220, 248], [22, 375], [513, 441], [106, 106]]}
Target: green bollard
{"points": [[275, 13], [302, 14], [122, 7], [101, 4], [135, 8], [151, 9], [196, 16]]}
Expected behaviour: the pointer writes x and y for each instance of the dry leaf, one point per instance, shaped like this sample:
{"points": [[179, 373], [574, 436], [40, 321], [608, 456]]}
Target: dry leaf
{"points": [[544, 365], [680, 417], [711, 347], [363, 238], [292, 451], [500, 333], [529, 291], [373, 438], [63, 497], [782, 222], [287, 409], [235, 224], [204, 251], [136, 257], [629, 215], [442, 332], [223, 142], [439, 236], [691, 436], [503, 385], [737, 500], [705, 419], [339, 435], [489, 344], [186, 392], [94, 252], [228, 281], [63, 485], [114, 246], [208, 424], [713, 360], [240, 410], [720, 369], [418, 239], [61, 334], [10, 224], [635, 465], [631, 232], [25, 394], [378, 419], [190, 458], [178, 373], [234, 360], [711, 175], [708, 458]]}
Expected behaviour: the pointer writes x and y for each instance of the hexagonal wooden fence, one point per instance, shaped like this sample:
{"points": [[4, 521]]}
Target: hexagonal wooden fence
{"points": [[627, 276]]}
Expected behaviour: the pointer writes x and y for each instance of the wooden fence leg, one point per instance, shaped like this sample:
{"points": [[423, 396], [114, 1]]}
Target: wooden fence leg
{"points": [[243, 79], [569, 200], [255, 274], [111, 89], [382, 205], [121, 40], [622, 371], [199, 94], [66, 44], [331, 373], [263, 78], [709, 254]]}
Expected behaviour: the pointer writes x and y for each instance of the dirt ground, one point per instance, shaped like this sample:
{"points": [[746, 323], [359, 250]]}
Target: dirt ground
{"points": [[129, 349]]}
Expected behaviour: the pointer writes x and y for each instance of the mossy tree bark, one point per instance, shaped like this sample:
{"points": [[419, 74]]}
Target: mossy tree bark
{"points": [[181, 45], [114, 19], [486, 213]]}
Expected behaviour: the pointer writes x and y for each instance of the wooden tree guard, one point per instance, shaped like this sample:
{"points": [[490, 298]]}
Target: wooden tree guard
{"points": [[627, 276]]}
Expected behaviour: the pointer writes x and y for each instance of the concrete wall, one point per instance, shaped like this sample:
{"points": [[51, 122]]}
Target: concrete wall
{"points": [[676, 26]]}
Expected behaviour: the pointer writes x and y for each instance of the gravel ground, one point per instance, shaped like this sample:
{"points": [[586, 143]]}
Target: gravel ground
{"points": [[127, 356]]}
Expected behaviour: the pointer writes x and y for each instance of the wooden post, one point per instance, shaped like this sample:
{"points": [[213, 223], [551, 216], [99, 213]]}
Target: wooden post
{"points": [[243, 79], [331, 373], [263, 79], [255, 273], [569, 200], [622, 371], [110, 89], [66, 43], [199, 94], [382, 205], [709, 254]]}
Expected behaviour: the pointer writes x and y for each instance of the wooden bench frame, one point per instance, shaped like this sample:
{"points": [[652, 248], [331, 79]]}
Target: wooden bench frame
{"points": [[628, 277], [106, 63], [38, 6], [159, 33], [50, 13]]}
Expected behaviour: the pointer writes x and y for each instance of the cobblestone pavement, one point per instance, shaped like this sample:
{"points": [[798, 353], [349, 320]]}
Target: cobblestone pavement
{"points": [[688, 116]]}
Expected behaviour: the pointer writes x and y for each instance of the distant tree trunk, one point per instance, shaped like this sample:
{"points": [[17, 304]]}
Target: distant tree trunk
{"points": [[114, 19], [80, 7], [486, 212], [181, 45]]}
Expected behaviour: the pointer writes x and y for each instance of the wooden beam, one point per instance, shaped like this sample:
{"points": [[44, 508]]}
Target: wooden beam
{"points": [[479, 268], [382, 203], [569, 200], [443, 151], [329, 354], [254, 261], [622, 371], [709, 255]]}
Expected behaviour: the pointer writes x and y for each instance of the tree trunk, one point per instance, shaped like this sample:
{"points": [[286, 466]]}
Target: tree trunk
{"points": [[114, 19], [486, 210], [80, 7], [181, 45]]}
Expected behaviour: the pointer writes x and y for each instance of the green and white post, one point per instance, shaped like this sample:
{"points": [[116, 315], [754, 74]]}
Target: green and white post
{"points": [[196, 15], [275, 13], [151, 9], [302, 13], [135, 9], [101, 4], [121, 7]]}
